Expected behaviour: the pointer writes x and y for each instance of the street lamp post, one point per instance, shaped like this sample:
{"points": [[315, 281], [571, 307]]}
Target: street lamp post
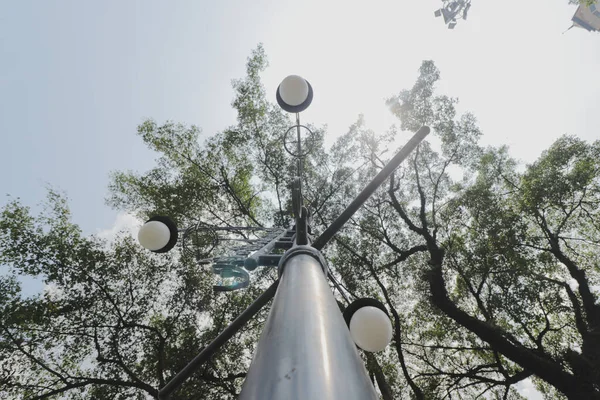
{"points": [[307, 349]]}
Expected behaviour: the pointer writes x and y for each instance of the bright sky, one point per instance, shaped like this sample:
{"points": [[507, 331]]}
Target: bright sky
{"points": [[77, 77]]}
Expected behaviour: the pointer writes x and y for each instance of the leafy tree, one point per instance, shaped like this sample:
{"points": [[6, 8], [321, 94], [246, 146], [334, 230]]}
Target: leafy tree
{"points": [[117, 322], [491, 255], [488, 269]]}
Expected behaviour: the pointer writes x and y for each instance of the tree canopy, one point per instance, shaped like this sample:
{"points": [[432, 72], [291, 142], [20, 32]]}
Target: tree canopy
{"points": [[489, 268]]}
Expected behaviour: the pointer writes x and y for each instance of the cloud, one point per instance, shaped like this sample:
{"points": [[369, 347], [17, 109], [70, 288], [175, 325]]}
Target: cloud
{"points": [[124, 224], [527, 388]]}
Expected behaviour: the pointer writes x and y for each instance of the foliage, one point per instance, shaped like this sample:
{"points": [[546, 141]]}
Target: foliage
{"points": [[115, 321], [489, 270]]}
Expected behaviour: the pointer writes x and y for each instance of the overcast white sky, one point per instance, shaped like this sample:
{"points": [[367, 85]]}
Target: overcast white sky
{"points": [[77, 77]]}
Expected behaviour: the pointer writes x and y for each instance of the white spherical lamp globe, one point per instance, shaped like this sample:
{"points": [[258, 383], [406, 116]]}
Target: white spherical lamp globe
{"points": [[154, 235], [371, 329], [293, 90], [294, 94]]}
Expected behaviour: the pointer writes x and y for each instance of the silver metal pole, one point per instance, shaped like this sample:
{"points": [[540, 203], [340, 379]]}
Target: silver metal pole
{"points": [[305, 351]]}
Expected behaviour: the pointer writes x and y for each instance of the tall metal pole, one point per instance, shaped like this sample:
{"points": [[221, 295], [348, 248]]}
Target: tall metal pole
{"points": [[305, 350]]}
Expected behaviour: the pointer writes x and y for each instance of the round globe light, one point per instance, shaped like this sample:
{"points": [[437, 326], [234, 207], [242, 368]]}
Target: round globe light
{"points": [[293, 90], [154, 235], [371, 329]]}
